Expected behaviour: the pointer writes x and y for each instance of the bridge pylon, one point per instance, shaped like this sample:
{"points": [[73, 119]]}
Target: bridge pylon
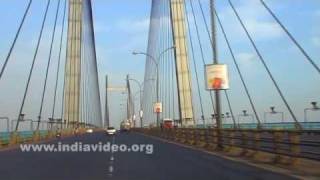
{"points": [[183, 74], [73, 63]]}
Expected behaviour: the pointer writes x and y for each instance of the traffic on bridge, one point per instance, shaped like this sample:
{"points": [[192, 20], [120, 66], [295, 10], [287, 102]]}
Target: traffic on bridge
{"points": [[159, 89]]}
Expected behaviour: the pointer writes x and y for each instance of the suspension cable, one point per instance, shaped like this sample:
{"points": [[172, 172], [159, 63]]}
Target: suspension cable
{"points": [[201, 48], [59, 59], [32, 66], [48, 64], [195, 65], [231, 111], [291, 37], [237, 67], [214, 47], [297, 124], [15, 39]]}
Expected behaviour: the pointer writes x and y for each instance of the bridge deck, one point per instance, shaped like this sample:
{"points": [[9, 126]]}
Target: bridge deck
{"points": [[168, 161]]}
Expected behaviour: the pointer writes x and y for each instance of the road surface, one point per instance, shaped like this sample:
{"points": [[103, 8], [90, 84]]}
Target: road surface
{"points": [[168, 162]]}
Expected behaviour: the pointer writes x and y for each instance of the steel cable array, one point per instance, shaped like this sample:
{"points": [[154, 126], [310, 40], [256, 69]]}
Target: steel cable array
{"points": [[161, 37], [90, 95]]}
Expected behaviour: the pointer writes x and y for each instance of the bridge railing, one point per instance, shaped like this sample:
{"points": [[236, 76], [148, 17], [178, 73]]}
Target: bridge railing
{"points": [[20, 137], [287, 146], [270, 125], [47, 130]]}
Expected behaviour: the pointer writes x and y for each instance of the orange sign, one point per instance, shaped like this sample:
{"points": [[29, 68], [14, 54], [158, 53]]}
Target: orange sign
{"points": [[216, 83]]}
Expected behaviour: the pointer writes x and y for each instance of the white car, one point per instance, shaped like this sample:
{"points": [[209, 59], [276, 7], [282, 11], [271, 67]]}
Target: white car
{"points": [[89, 130], [111, 131]]}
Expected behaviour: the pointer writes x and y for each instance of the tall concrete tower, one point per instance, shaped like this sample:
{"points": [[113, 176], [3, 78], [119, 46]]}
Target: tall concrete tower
{"points": [[182, 62], [73, 63]]}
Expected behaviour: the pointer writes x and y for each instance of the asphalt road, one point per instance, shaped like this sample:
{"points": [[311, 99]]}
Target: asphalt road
{"points": [[168, 161]]}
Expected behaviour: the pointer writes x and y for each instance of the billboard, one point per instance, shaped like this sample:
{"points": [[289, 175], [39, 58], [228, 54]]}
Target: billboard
{"points": [[216, 77]]}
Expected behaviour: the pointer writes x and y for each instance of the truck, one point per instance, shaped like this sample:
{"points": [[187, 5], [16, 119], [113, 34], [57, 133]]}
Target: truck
{"points": [[125, 126], [168, 123]]}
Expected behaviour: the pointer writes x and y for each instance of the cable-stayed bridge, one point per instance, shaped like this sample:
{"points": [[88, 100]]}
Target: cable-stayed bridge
{"points": [[199, 101]]}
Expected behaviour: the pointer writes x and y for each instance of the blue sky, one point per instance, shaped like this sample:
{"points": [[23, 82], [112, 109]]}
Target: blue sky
{"points": [[122, 26]]}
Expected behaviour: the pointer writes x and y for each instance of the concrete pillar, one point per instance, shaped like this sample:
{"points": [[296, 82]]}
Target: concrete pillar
{"points": [[182, 62], [73, 64]]}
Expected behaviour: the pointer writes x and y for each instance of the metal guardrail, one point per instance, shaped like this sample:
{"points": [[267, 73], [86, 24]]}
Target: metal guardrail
{"points": [[12, 138], [290, 143], [7, 120], [271, 125], [23, 137]]}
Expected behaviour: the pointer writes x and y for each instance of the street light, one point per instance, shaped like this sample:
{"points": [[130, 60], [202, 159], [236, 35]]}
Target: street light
{"points": [[222, 117], [22, 120], [226, 117], [245, 114], [213, 116], [140, 90], [51, 121], [7, 121], [155, 61], [314, 107], [273, 112]]}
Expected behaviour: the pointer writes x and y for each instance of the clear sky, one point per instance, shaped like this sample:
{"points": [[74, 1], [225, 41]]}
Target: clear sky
{"points": [[121, 26]]}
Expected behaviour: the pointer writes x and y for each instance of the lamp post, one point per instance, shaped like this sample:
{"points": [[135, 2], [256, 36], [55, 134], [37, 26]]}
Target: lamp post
{"points": [[228, 116], [22, 120], [7, 121], [222, 120], [273, 112], [314, 107], [51, 122], [155, 61], [213, 116], [245, 114], [59, 122], [140, 90]]}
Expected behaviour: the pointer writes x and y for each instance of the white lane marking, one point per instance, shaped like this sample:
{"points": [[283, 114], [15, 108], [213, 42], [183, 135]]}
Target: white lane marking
{"points": [[110, 169], [111, 160]]}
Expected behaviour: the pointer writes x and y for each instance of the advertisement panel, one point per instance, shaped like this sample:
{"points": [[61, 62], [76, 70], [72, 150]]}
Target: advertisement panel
{"points": [[157, 107], [217, 77]]}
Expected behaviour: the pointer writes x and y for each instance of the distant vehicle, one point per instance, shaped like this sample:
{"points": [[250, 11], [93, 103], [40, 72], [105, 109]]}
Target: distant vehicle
{"points": [[58, 133], [168, 123], [125, 126], [111, 131], [89, 130]]}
